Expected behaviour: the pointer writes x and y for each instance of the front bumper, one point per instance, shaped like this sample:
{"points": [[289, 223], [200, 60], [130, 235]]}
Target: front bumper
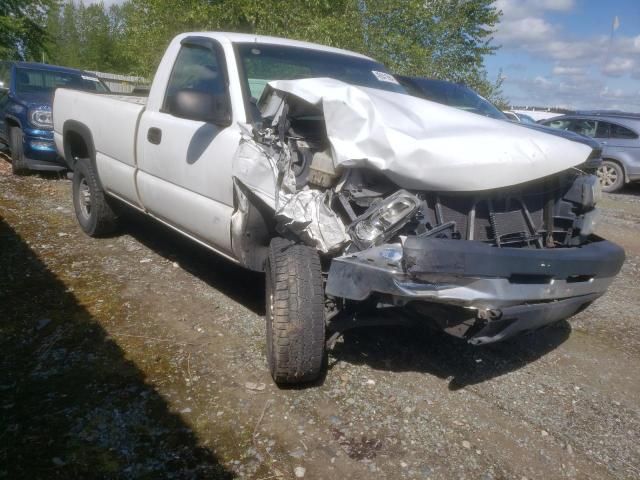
{"points": [[40, 150], [505, 290]]}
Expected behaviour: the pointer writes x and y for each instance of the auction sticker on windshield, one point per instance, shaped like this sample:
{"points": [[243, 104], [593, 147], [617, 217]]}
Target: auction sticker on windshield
{"points": [[385, 77]]}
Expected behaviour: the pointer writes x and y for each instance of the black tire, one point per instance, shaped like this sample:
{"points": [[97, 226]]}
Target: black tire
{"points": [[295, 313], [94, 214], [611, 176], [18, 162]]}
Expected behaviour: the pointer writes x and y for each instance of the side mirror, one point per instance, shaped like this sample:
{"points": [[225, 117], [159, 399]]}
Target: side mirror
{"points": [[201, 106]]}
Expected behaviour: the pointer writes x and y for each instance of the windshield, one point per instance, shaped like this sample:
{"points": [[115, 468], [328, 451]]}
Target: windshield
{"points": [[30, 80], [526, 119], [261, 63], [455, 95]]}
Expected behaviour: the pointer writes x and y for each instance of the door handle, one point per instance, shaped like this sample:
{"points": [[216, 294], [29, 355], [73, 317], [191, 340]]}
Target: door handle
{"points": [[154, 135]]}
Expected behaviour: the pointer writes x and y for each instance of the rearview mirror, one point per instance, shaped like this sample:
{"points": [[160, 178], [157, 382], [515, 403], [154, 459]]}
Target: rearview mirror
{"points": [[201, 106]]}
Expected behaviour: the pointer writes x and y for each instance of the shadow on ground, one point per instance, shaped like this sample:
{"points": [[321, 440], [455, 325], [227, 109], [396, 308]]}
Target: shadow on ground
{"points": [[71, 404], [629, 189], [384, 348], [239, 284], [402, 349]]}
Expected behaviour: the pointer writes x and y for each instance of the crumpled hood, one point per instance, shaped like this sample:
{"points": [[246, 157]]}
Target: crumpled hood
{"points": [[423, 145]]}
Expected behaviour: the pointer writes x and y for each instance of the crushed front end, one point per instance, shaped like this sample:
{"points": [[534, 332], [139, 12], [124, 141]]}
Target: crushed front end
{"points": [[487, 266], [483, 264]]}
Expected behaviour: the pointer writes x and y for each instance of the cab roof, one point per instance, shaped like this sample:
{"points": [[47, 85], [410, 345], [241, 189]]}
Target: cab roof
{"points": [[52, 68], [249, 37]]}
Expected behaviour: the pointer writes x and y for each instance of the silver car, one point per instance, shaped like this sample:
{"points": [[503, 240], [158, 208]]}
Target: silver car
{"points": [[618, 133]]}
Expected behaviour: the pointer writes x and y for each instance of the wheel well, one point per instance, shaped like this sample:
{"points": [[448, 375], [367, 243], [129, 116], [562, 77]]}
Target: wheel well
{"points": [[252, 228], [75, 146], [11, 122]]}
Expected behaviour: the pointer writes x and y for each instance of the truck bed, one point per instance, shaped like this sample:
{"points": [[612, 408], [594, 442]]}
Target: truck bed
{"points": [[127, 98], [112, 121]]}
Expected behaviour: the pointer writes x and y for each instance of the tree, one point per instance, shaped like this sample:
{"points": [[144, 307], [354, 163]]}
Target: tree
{"points": [[88, 37], [444, 39], [22, 28]]}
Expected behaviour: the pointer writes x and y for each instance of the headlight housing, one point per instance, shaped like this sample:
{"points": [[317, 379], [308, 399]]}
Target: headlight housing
{"points": [[41, 117], [589, 222], [384, 219], [585, 191], [596, 191]]}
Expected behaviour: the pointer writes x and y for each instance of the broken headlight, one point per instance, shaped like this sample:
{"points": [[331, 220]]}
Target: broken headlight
{"points": [[385, 218], [585, 191], [588, 222]]}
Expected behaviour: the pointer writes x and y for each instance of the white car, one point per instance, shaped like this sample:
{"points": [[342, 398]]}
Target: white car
{"points": [[361, 203]]}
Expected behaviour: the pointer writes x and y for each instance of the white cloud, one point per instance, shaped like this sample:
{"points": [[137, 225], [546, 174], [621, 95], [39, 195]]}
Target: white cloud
{"points": [[526, 29], [578, 68], [562, 5], [588, 93], [618, 66], [560, 70], [542, 81]]}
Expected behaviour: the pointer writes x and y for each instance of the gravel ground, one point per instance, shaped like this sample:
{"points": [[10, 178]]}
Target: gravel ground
{"points": [[142, 356]]}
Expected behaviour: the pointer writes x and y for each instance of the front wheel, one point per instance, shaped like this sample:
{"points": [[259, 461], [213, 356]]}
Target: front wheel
{"points": [[94, 214], [18, 162], [295, 313], [611, 176]]}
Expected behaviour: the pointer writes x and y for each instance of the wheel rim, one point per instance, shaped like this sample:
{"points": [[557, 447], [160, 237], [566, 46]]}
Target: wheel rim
{"points": [[84, 198], [608, 175]]}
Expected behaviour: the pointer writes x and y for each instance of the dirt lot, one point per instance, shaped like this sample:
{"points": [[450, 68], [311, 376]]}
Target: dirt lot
{"points": [[142, 356]]}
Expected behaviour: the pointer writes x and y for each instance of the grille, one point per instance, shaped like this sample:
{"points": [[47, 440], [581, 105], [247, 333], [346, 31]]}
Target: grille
{"points": [[505, 217]]}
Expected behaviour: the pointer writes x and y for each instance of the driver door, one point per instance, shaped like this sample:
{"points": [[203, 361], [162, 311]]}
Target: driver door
{"points": [[184, 175]]}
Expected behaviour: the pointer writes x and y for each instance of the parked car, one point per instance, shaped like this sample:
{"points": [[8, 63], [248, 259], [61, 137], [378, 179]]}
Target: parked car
{"points": [[536, 115], [452, 94], [618, 133], [361, 204], [519, 117], [26, 93]]}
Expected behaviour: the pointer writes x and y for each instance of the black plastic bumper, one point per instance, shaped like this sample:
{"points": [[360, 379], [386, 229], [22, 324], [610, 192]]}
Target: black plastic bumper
{"points": [[425, 256], [505, 290]]}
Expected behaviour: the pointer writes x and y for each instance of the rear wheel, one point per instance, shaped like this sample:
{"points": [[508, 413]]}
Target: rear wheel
{"points": [[295, 313], [94, 214], [18, 162], [611, 176]]}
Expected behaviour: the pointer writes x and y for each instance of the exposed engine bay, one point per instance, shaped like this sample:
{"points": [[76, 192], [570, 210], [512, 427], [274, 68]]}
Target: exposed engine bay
{"points": [[431, 227]]}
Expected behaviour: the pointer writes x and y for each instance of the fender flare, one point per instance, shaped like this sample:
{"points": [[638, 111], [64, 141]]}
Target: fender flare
{"points": [[13, 119], [252, 228], [80, 129]]}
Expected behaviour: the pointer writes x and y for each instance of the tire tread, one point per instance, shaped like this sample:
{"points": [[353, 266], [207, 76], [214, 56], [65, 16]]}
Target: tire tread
{"points": [[298, 327], [103, 220]]}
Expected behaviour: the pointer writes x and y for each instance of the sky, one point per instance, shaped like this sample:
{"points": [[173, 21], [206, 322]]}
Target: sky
{"points": [[567, 53]]}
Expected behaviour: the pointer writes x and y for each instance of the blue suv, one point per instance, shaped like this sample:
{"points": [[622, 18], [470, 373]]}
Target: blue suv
{"points": [[26, 127]]}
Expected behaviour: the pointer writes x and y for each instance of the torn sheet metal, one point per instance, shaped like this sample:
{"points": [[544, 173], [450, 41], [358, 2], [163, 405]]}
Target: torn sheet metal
{"points": [[305, 213], [420, 144]]}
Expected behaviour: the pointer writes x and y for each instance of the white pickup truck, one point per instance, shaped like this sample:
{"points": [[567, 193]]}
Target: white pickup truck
{"points": [[361, 203]]}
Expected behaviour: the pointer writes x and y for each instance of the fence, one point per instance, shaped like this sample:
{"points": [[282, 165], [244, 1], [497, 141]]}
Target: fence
{"points": [[121, 83]]}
